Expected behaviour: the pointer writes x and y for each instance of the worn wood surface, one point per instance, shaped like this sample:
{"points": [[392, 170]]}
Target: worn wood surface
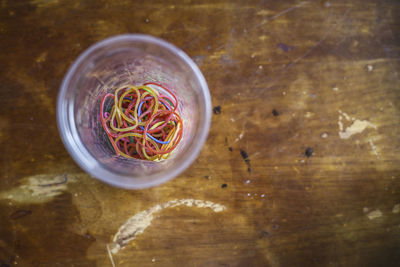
{"points": [[304, 152]]}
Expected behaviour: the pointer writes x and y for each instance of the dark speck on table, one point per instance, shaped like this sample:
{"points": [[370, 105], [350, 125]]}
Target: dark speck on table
{"points": [[217, 110], [309, 152]]}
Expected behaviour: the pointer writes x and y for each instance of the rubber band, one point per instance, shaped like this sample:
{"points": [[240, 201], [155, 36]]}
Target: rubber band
{"points": [[142, 121]]}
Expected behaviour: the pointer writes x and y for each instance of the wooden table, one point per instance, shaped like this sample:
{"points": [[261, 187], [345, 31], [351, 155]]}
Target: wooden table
{"points": [[301, 166]]}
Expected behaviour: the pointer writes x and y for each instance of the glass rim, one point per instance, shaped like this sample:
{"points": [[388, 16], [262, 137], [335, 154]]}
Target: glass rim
{"points": [[78, 151]]}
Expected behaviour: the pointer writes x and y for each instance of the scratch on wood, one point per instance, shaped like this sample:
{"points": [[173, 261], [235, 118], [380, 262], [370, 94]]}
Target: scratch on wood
{"points": [[297, 171], [346, 116], [254, 155], [328, 32], [373, 147], [110, 256], [272, 81], [239, 137], [282, 13], [19, 214], [38, 188], [136, 224], [65, 179]]}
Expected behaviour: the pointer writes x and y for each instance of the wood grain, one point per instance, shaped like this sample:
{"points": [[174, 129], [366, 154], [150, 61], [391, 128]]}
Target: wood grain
{"points": [[284, 77]]}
